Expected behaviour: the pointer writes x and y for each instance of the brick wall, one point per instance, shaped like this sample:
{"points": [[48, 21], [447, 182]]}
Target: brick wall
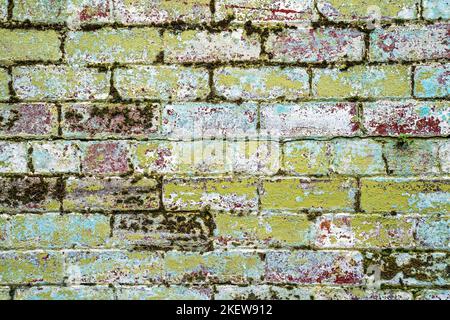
{"points": [[227, 149]]}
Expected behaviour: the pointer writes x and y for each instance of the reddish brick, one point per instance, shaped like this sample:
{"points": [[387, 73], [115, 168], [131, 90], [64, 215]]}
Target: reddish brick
{"points": [[105, 157]]}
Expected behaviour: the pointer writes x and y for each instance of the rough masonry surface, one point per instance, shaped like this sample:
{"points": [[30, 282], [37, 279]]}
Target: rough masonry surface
{"points": [[224, 149]]}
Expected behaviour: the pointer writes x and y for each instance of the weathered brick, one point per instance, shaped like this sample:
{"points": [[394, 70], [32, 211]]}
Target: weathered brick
{"points": [[28, 120], [368, 10], [138, 45], [433, 295], [56, 157], [410, 268], [162, 83], [186, 231], [414, 118], [315, 45], [217, 194], [265, 11], [432, 81], [216, 266], [26, 45], [308, 194], [207, 120], [65, 293], [31, 267], [269, 230], [261, 83], [161, 11], [309, 119], [4, 84], [73, 12], [409, 195], [413, 157], [113, 193], [29, 194], [202, 46], [306, 157], [105, 157], [13, 157], [43, 82], [3, 10], [436, 9], [206, 157], [410, 43], [364, 231], [164, 293], [262, 292], [339, 293], [4, 291], [433, 232], [361, 157], [5, 230], [390, 81], [53, 231], [314, 267], [121, 267], [444, 156]]}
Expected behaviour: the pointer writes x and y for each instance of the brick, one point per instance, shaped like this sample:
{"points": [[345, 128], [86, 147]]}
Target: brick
{"points": [[265, 11], [202, 46], [113, 193], [408, 195], [56, 157], [368, 10], [161, 11], [410, 43], [433, 232], [217, 194], [43, 82], [336, 293], [412, 118], [105, 157], [315, 45], [306, 157], [207, 120], [13, 157], [262, 292], [309, 119], [217, 266], [436, 9], [361, 157], [164, 293], [364, 231], [410, 268], [3, 10], [101, 121], [5, 231], [181, 231], [413, 157], [206, 157], [4, 84], [31, 267], [28, 120], [112, 266], [172, 83], [444, 156], [269, 230], [29, 194], [29, 45], [314, 267], [53, 231], [387, 81], [432, 81], [65, 293], [261, 83], [308, 194], [433, 295], [4, 293], [73, 12], [107, 45]]}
